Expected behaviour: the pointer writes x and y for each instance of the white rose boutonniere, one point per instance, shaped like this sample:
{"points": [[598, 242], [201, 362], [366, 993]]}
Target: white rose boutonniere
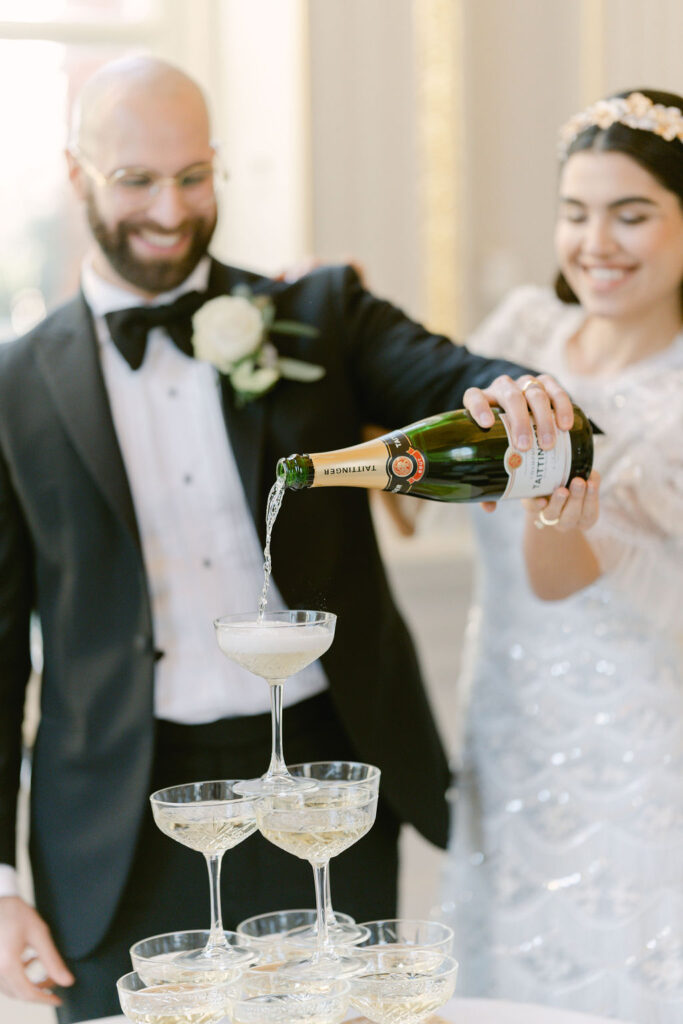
{"points": [[232, 332], [226, 330]]}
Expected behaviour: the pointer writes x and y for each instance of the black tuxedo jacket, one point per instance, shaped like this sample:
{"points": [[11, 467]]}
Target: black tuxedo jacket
{"points": [[70, 550]]}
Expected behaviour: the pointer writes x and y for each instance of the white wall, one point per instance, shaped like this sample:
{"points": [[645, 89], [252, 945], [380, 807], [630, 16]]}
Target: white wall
{"points": [[519, 68], [251, 56], [363, 141], [325, 121]]}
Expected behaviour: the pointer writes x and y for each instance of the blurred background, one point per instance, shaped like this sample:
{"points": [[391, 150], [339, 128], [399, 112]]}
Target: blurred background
{"points": [[416, 137]]}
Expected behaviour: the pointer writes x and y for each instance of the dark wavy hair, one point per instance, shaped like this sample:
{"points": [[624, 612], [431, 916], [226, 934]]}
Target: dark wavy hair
{"points": [[662, 159]]}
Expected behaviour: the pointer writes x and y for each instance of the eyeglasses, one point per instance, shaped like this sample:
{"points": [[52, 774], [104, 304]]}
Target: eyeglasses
{"points": [[138, 187]]}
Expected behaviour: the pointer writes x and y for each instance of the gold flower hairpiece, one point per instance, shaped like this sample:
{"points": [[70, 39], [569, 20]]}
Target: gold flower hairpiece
{"points": [[635, 111]]}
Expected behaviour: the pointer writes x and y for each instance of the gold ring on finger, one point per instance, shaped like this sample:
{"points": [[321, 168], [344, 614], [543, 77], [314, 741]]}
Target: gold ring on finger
{"points": [[546, 521], [532, 383]]}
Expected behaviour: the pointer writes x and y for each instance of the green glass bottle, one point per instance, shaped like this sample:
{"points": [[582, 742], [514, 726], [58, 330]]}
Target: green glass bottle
{"points": [[449, 458]]}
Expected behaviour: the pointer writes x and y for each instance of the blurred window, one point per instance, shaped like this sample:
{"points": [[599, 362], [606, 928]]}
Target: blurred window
{"points": [[76, 10], [48, 48]]}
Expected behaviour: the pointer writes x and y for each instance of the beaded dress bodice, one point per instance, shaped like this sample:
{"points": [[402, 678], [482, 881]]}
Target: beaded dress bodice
{"points": [[564, 879]]}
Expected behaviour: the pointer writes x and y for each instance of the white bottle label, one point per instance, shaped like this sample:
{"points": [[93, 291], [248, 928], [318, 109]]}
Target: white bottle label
{"points": [[536, 473]]}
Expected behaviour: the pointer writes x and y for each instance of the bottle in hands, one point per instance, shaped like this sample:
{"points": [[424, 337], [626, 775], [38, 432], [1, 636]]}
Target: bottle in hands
{"points": [[449, 458]]}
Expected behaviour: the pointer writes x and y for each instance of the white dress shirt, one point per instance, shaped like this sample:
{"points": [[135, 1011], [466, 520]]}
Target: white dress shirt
{"points": [[201, 550], [200, 547]]}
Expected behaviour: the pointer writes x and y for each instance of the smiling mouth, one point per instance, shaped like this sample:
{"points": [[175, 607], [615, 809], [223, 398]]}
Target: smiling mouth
{"points": [[607, 275], [164, 241]]}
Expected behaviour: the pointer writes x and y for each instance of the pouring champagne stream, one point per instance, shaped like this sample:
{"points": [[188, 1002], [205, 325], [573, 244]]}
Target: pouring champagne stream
{"points": [[274, 645]]}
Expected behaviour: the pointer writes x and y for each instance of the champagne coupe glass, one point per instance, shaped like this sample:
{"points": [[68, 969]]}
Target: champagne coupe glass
{"points": [[161, 958], [397, 933], [210, 817], [266, 979], [275, 645], [316, 825], [402, 985], [270, 933], [175, 1002], [291, 999]]}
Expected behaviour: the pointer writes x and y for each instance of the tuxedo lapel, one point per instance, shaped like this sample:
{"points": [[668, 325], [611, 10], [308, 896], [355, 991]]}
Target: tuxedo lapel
{"points": [[246, 425], [246, 430], [69, 362]]}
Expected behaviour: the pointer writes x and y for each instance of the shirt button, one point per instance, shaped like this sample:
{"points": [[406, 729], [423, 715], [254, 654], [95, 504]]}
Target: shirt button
{"points": [[207, 563], [172, 392], [188, 478]]}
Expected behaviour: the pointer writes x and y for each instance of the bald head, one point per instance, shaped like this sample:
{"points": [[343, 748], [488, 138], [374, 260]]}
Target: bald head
{"points": [[141, 120], [127, 100]]}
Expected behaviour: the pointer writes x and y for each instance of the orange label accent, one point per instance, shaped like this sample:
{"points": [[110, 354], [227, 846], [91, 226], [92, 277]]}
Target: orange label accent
{"points": [[419, 463]]}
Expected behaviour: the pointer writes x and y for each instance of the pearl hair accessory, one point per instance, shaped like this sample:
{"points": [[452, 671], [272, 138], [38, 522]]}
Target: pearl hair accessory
{"points": [[635, 111]]}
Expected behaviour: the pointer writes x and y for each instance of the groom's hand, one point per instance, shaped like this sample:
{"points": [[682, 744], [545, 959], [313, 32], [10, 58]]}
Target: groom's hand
{"points": [[24, 939], [550, 404]]}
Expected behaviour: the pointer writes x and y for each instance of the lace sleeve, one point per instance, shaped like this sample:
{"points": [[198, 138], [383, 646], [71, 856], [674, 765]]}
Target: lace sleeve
{"points": [[517, 328], [639, 535]]}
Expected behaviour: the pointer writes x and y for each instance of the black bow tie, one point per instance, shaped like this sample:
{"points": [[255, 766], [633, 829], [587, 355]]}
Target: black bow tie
{"points": [[129, 327]]}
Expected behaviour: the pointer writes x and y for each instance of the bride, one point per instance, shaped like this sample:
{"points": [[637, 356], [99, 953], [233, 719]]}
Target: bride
{"points": [[564, 878]]}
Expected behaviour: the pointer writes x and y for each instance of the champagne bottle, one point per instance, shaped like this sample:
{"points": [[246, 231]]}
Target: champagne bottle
{"points": [[449, 458]]}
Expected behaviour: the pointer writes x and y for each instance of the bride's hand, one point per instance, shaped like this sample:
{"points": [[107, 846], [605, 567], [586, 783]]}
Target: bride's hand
{"points": [[541, 396], [568, 508]]}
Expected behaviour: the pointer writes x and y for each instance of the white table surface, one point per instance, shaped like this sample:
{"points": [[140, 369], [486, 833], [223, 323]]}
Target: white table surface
{"points": [[481, 1011]]}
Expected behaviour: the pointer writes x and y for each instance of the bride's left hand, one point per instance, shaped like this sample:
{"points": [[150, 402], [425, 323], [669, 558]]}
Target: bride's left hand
{"points": [[568, 508]]}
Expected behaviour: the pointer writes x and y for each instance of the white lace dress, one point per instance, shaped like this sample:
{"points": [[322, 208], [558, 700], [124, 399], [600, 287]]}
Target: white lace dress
{"points": [[564, 880]]}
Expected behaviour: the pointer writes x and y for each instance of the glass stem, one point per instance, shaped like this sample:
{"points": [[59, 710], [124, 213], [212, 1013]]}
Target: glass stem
{"points": [[328, 901], [277, 764], [320, 874], [216, 939]]}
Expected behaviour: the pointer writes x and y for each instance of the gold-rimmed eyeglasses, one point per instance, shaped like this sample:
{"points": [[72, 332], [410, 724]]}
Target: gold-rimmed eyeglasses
{"points": [[139, 186]]}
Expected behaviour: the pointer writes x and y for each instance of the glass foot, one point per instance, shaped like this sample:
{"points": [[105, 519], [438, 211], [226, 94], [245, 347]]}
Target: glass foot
{"points": [[216, 957], [274, 785], [323, 966], [306, 936]]}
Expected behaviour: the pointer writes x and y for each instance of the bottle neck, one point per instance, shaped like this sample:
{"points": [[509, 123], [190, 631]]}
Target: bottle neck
{"points": [[297, 472]]}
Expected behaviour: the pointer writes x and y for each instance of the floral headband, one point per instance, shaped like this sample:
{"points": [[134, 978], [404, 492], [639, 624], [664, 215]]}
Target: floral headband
{"points": [[635, 111]]}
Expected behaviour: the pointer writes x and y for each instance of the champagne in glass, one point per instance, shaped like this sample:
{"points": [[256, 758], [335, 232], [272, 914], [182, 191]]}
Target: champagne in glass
{"points": [[402, 985], [279, 934], [163, 958], [317, 825], [210, 817], [175, 1003], [295, 1002], [275, 645]]}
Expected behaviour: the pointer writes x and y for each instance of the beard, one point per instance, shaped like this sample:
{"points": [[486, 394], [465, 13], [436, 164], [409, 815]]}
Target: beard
{"points": [[152, 276]]}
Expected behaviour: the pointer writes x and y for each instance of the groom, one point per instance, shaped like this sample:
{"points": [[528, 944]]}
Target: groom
{"points": [[132, 497]]}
